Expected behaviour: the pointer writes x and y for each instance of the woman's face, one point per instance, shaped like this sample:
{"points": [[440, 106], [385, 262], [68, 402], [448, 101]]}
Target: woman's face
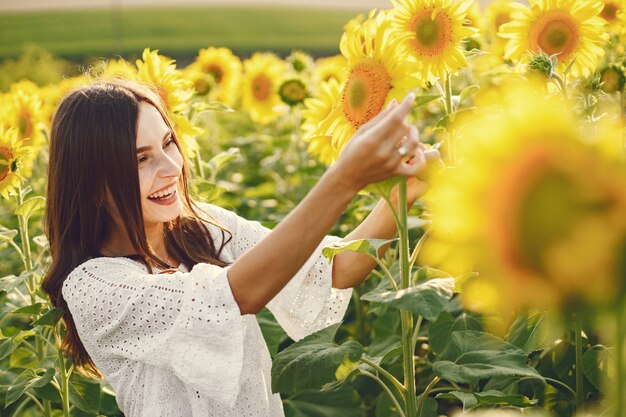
{"points": [[159, 164]]}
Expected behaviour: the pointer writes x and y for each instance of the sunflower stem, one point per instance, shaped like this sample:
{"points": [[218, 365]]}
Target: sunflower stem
{"points": [[427, 391], [620, 381], [65, 393], [578, 329], [30, 285], [405, 315]]}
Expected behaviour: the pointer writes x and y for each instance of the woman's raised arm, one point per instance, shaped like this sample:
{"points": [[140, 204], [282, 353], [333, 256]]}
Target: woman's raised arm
{"points": [[370, 156]]}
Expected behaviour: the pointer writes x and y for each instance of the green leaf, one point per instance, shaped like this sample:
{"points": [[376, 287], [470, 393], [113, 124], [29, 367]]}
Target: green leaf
{"points": [[7, 346], [427, 299], [84, 393], [30, 309], [529, 333], [382, 188], [479, 355], [468, 91], [50, 318], [313, 361], [10, 282], [23, 358], [441, 329], [212, 106], [368, 247], [445, 121], [219, 161], [422, 100], [27, 379], [598, 366], [271, 330], [488, 398], [7, 235], [341, 403], [31, 207]]}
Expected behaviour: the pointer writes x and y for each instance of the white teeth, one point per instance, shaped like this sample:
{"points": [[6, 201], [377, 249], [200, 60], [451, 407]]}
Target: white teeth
{"points": [[165, 192]]}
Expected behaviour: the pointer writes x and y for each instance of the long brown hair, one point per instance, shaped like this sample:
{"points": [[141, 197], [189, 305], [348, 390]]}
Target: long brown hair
{"points": [[92, 147]]}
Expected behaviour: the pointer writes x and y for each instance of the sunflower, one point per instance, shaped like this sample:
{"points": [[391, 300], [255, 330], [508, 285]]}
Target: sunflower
{"points": [[614, 12], [293, 91], [175, 91], [374, 76], [119, 68], [571, 29], [300, 63], [22, 109], [12, 158], [332, 67], [433, 32], [315, 126], [225, 69], [531, 207], [497, 13], [263, 74]]}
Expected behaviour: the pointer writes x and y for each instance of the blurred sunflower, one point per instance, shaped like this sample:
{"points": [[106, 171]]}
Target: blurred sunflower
{"points": [[12, 158], [530, 207], [315, 125], [571, 29], [332, 67], [263, 74], [22, 109], [175, 91], [300, 63], [293, 91], [433, 32], [225, 69], [119, 68], [374, 77], [497, 13], [614, 12]]}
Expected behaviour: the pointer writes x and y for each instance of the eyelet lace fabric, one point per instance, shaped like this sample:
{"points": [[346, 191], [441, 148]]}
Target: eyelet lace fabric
{"points": [[174, 345]]}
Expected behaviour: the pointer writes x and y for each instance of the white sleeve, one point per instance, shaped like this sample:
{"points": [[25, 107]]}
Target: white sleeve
{"points": [[187, 322], [308, 302]]}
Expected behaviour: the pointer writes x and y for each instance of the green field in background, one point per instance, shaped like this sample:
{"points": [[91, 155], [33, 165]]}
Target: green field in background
{"points": [[177, 32]]}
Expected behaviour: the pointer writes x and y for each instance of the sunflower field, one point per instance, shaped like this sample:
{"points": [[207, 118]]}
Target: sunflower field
{"points": [[504, 292]]}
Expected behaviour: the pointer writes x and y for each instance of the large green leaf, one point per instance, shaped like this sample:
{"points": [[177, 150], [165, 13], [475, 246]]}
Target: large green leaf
{"points": [[314, 361], [84, 393], [50, 318], [427, 299], [365, 246], [271, 330], [27, 379], [598, 362], [488, 398], [529, 333], [440, 330], [29, 309], [340, 403], [479, 355], [31, 207]]}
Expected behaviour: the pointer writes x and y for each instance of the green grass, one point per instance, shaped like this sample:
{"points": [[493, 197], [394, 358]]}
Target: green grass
{"points": [[178, 32]]}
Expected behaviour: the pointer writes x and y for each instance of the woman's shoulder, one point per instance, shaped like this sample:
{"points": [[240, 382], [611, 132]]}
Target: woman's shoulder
{"points": [[101, 267]]}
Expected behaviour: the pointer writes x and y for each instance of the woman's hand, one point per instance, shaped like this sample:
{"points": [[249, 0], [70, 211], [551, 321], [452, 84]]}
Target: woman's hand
{"points": [[381, 148]]}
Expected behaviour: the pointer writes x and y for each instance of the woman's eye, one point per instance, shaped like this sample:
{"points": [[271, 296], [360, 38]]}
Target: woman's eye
{"points": [[141, 159], [169, 142]]}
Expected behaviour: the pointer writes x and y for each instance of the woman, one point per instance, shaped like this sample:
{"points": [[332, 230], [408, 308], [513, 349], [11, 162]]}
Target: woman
{"points": [[157, 298]]}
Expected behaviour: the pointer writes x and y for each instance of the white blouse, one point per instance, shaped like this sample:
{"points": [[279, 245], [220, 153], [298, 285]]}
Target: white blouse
{"points": [[177, 345]]}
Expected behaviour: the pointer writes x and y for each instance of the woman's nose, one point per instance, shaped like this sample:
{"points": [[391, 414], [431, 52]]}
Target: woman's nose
{"points": [[170, 165]]}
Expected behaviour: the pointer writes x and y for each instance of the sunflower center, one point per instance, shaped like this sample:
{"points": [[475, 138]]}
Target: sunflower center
{"points": [[433, 32], [555, 33], [216, 71], [261, 87], [609, 12], [8, 165], [365, 92]]}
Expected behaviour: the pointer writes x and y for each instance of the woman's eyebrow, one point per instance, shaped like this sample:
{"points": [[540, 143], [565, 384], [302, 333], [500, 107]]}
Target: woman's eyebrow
{"points": [[147, 148]]}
